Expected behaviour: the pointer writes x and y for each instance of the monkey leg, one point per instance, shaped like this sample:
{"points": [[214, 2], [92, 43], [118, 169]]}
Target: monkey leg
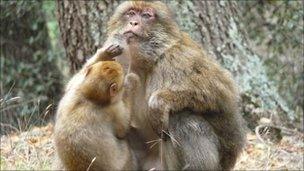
{"points": [[193, 144], [159, 120]]}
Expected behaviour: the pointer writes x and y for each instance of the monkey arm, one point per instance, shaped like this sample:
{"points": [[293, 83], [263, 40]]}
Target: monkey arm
{"points": [[160, 104], [167, 100], [98, 56], [78, 77], [105, 54], [131, 85]]}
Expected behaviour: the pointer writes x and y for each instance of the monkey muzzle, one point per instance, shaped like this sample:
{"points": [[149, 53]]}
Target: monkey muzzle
{"points": [[129, 34]]}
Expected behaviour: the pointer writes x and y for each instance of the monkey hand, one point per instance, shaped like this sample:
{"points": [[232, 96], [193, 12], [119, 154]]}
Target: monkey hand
{"points": [[131, 81], [110, 52], [159, 114], [131, 84]]}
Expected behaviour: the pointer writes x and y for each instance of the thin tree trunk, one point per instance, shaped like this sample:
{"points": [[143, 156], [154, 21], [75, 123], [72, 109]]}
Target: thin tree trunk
{"points": [[214, 24]]}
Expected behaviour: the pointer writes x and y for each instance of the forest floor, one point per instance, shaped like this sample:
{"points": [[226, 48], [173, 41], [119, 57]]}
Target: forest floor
{"points": [[34, 150]]}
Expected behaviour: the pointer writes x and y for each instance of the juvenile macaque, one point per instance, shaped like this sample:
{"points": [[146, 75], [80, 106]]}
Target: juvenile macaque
{"points": [[184, 95], [92, 120]]}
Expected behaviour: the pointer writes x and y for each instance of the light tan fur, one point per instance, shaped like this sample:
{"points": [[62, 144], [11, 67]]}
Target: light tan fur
{"points": [[92, 123]]}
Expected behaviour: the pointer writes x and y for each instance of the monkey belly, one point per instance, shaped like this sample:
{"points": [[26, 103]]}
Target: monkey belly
{"points": [[193, 144]]}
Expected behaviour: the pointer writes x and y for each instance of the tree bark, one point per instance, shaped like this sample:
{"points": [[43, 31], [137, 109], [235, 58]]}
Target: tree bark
{"points": [[214, 24]]}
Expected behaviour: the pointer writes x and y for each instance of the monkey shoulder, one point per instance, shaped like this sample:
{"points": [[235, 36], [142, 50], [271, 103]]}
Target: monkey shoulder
{"points": [[178, 66], [189, 62]]}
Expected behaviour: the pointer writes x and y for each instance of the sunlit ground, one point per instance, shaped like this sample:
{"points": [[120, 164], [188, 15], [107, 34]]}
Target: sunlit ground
{"points": [[34, 150]]}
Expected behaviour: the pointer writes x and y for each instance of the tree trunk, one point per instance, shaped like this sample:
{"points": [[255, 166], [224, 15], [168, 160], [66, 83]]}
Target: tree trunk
{"points": [[213, 24]]}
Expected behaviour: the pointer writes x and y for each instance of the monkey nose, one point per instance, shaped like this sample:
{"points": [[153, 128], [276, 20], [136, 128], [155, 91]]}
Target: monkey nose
{"points": [[134, 23]]}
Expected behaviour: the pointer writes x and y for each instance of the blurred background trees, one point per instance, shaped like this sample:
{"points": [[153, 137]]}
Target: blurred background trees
{"points": [[260, 42], [276, 29], [30, 78]]}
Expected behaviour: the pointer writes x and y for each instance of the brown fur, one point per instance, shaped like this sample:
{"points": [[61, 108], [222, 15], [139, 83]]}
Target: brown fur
{"points": [[183, 91], [91, 123], [101, 75]]}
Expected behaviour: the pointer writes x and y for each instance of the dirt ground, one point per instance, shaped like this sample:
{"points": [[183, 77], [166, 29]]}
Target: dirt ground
{"points": [[34, 150]]}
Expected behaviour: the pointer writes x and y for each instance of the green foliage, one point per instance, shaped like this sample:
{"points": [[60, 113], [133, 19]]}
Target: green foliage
{"points": [[30, 81], [49, 9], [30, 60], [277, 30]]}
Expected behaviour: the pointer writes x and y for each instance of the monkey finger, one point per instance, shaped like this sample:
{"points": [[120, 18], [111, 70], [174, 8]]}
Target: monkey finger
{"points": [[131, 81], [115, 51], [112, 47], [118, 48]]}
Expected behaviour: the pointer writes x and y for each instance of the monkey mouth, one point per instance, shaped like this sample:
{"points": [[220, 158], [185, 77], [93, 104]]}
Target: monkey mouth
{"points": [[129, 34]]}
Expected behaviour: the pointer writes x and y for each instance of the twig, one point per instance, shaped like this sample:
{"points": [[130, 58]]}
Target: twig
{"points": [[161, 146], [13, 99], [268, 158], [91, 164], [10, 126], [2, 109], [257, 133], [149, 142], [279, 127], [172, 138], [47, 110], [155, 143]]}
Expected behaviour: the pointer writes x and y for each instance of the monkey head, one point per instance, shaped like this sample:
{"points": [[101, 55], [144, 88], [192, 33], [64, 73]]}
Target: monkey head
{"points": [[148, 28], [142, 21], [103, 82]]}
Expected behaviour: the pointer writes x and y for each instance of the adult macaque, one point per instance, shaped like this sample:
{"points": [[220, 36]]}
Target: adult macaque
{"points": [[92, 120], [183, 92]]}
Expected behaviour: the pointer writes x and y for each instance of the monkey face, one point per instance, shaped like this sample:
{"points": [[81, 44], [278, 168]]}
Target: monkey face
{"points": [[138, 22], [141, 20]]}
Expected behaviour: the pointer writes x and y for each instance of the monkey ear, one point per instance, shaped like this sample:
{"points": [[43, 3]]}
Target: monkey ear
{"points": [[113, 89], [87, 70]]}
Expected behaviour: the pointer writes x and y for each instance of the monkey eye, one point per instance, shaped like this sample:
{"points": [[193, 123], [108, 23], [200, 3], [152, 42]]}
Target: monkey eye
{"points": [[130, 13], [146, 15]]}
